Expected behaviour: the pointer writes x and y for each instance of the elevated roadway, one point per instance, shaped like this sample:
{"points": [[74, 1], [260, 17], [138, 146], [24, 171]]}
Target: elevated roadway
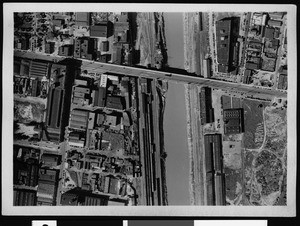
{"points": [[99, 67]]}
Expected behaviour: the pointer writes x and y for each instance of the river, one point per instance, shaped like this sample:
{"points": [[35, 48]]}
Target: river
{"points": [[175, 128]]}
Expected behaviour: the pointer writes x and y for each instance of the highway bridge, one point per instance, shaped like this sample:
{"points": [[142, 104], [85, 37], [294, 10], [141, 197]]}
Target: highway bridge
{"points": [[99, 67]]}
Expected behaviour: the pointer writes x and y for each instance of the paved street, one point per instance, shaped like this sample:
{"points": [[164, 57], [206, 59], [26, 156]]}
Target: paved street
{"points": [[246, 90]]}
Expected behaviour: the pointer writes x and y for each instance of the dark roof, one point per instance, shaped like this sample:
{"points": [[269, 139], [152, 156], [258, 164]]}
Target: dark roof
{"points": [[99, 30], [247, 76], [113, 186], [38, 69], [100, 97], [233, 120], [54, 107], [222, 68], [223, 30], [69, 199], [275, 43], [66, 50], [253, 66], [115, 102]]}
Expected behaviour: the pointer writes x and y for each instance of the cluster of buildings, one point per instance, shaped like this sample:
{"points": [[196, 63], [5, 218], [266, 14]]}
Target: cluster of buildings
{"points": [[31, 78], [76, 35], [98, 113], [99, 119], [264, 42], [35, 176], [87, 112]]}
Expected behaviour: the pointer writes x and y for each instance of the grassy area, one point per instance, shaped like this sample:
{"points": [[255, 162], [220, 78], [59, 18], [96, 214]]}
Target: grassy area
{"points": [[253, 119], [234, 181], [27, 112]]}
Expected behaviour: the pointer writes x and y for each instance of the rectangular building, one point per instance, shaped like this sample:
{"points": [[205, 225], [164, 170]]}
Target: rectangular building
{"points": [[82, 19], [224, 42], [233, 121], [79, 119], [247, 76], [115, 102], [282, 82], [100, 97], [99, 30], [206, 110]]}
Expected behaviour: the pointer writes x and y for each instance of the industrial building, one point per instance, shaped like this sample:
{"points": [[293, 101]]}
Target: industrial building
{"points": [[54, 113], [115, 102], [22, 197], [233, 121], [224, 42], [99, 97], [215, 181], [47, 187], [79, 119], [206, 110], [58, 104], [82, 19], [102, 29]]}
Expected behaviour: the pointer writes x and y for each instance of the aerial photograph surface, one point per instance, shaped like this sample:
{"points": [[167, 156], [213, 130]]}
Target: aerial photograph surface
{"points": [[150, 108]]}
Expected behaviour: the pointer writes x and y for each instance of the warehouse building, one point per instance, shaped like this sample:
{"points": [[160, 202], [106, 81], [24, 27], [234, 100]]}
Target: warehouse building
{"points": [[206, 110], [79, 119], [82, 19], [58, 104], [224, 42], [99, 97], [233, 121], [115, 102], [24, 197], [102, 29], [213, 153], [215, 182]]}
